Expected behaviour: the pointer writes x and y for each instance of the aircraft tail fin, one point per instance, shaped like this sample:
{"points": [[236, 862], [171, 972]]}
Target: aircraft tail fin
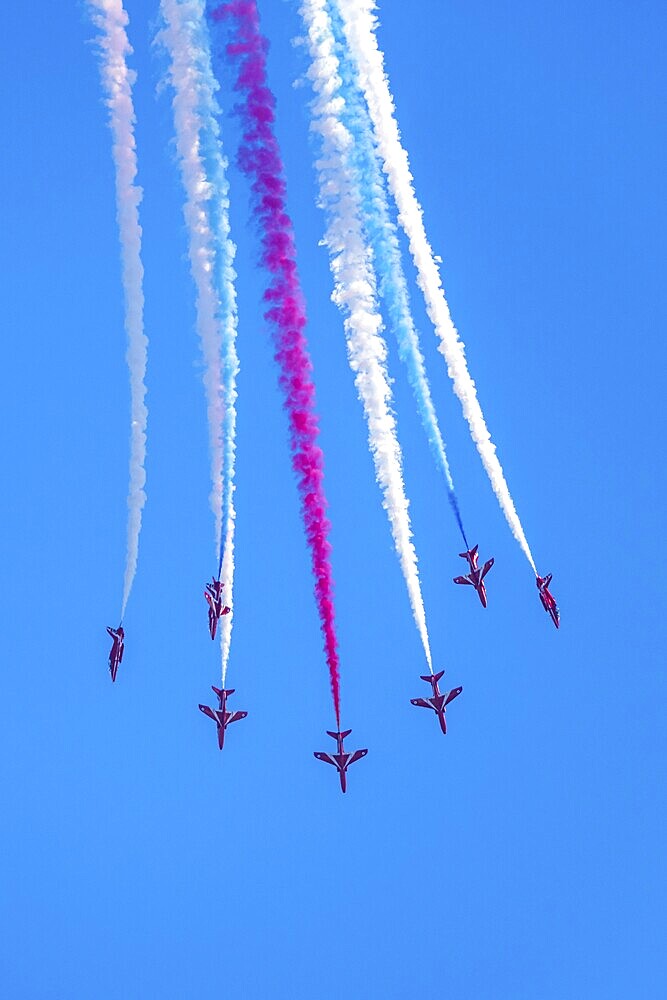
{"points": [[224, 691], [336, 735]]}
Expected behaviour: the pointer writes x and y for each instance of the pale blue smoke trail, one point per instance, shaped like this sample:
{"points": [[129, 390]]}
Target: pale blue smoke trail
{"points": [[185, 37], [381, 233], [224, 280]]}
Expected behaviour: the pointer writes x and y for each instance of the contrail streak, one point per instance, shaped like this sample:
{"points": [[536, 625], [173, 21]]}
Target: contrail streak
{"points": [[359, 25], [203, 172], [117, 80], [387, 254], [261, 162], [354, 291]]}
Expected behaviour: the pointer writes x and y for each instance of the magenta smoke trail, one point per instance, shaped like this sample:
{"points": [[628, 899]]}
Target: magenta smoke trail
{"points": [[261, 162]]}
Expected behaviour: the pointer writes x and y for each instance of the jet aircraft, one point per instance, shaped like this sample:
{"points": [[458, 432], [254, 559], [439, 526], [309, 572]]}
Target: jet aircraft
{"points": [[117, 649], [437, 701], [216, 608], [220, 715], [548, 600], [475, 578], [341, 760]]}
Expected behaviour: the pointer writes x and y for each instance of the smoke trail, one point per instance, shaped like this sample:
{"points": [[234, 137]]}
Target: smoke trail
{"points": [[387, 254], [354, 293], [203, 171], [117, 80], [261, 162], [359, 25]]}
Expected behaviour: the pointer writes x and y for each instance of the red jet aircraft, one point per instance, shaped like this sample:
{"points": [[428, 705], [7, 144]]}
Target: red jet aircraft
{"points": [[216, 608], [548, 600], [439, 701], [341, 760], [117, 650], [475, 578], [220, 715]]}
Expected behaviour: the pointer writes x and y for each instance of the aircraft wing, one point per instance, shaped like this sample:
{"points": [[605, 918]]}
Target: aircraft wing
{"points": [[462, 579], [357, 755], [326, 757], [421, 703], [453, 694], [208, 711], [487, 567], [236, 717]]}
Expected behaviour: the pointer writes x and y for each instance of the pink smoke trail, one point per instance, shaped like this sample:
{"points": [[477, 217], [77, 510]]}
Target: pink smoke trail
{"points": [[260, 160]]}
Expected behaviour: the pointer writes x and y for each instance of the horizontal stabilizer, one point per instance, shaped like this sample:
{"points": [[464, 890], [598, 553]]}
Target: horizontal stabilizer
{"points": [[431, 677], [224, 691], [472, 552]]}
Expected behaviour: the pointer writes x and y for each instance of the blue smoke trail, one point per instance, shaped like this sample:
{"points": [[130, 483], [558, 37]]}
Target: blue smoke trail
{"points": [[203, 166], [224, 280], [383, 240]]}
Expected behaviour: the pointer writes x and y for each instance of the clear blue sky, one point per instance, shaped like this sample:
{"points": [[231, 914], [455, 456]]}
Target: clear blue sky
{"points": [[523, 855]]}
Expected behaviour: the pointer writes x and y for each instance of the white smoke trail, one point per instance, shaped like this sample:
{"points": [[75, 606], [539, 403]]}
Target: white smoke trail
{"points": [[227, 578], [203, 172], [360, 23], [117, 80], [354, 284]]}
